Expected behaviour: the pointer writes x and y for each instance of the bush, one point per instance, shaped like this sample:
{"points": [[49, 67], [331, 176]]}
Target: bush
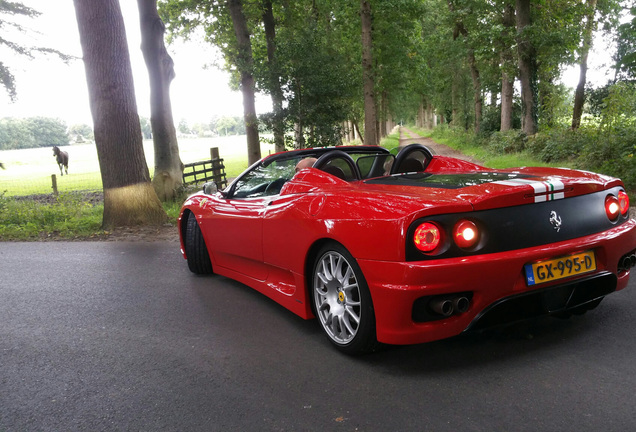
{"points": [[556, 144], [512, 141]]}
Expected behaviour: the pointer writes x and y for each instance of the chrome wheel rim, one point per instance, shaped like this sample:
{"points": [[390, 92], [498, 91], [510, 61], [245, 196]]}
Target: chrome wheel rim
{"points": [[337, 297]]}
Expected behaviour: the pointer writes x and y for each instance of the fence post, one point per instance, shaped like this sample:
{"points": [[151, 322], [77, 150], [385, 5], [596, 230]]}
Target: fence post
{"points": [[214, 154], [54, 182]]}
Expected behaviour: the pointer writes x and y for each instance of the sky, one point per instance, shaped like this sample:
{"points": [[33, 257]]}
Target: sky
{"points": [[48, 87]]}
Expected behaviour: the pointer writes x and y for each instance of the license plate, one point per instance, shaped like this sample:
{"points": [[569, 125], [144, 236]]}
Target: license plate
{"points": [[559, 268]]}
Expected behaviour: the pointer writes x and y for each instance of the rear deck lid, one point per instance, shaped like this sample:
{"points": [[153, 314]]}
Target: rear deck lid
{"points": [[492, 189]]}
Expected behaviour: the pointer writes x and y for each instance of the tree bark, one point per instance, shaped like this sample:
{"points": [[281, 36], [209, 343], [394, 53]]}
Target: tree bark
{"points": [[168, 175], [527, 69], [579, 94], [129, 198], [370, 134], [507, 82], [248, 88], [275, 89]]}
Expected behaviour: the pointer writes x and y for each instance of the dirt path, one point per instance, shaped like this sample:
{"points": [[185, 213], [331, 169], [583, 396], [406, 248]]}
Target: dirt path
{"points": [[407, 137]]}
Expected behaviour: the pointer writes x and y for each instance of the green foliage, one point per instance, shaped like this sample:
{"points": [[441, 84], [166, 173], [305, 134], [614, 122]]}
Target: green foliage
{"points": [[560, 144], [619, 107], [68, 216], [32, 132], [229, 126], [626, 52], [512, 141], [81, 133]]}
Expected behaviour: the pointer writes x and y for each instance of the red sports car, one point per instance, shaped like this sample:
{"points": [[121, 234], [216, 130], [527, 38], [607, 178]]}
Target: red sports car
{"points": [[414, 247]]}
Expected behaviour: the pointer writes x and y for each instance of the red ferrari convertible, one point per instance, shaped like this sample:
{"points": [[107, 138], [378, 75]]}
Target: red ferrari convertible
{"points": [[414, 247]]}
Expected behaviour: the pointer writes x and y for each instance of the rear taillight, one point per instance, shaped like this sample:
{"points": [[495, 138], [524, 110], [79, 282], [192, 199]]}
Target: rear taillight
{"points": [[623, 202], [465, 234], [612, 207], [427, 237]]}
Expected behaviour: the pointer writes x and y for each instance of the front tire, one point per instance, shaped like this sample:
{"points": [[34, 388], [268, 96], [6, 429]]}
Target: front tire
{"points": [[342, 302], [195, 248]]}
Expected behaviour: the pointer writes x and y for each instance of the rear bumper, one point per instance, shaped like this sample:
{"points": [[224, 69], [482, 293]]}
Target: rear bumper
{"points": [[496, 283]]}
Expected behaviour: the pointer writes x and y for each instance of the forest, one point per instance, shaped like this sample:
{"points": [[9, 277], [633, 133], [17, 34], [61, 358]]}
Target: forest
{"points": [[489, 71], [486, 71]]}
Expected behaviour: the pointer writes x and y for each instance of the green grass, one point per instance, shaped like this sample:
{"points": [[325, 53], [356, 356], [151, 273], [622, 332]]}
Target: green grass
{"points": [[28, 171], [67, 217], [391, 141]]}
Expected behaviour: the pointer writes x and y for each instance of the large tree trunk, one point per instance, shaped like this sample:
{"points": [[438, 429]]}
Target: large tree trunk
{"points": [[579, 94], [277, 93], [168, 176], [507, 82], [527, 69], [129, 198], [248, 88], [370, 134]]}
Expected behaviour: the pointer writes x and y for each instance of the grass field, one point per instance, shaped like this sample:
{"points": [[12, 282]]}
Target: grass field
{"points": [[29, 171]]}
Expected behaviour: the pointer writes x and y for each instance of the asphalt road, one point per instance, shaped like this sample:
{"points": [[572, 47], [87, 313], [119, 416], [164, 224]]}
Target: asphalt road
{"points": [[119, 336]]}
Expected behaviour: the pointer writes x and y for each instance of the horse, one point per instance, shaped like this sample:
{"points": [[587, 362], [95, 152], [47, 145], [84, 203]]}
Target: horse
{"points": [[62, 159]]}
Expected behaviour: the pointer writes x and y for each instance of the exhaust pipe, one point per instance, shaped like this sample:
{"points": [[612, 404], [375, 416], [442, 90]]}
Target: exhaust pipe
{"points": [[461, 304], [447, 306], [627, 261], [442, 306]]}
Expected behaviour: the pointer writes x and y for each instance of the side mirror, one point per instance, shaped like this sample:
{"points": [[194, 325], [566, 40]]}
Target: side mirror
{"points": [[210, 188]]}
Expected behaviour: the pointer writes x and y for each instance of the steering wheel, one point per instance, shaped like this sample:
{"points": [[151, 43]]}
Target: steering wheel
{"points": [[274, 187]]}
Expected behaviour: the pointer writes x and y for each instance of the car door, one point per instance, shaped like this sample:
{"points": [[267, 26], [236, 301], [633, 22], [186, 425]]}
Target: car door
{"points": [[236, 239], [236, 234]]}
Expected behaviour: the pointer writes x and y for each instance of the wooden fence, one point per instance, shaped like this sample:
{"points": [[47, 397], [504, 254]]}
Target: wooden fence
{"points": [[204, 171]]}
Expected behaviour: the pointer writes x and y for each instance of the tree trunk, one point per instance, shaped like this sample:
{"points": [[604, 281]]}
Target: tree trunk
{"points": [[276, 92], [129, 198], [474, 71], [579, 94], [507, 82], [454, 121], [245, 64], [357, 128], [168, 176], [507, 93], [477, 99], [527, 70], [370, 135]]}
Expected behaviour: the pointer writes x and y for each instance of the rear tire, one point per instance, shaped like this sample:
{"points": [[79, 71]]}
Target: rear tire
{"points": [[342, 302], [195, 248]]}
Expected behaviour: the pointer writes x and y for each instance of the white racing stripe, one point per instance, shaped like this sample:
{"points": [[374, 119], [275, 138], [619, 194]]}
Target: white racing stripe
{"points": [[548, 190]]}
